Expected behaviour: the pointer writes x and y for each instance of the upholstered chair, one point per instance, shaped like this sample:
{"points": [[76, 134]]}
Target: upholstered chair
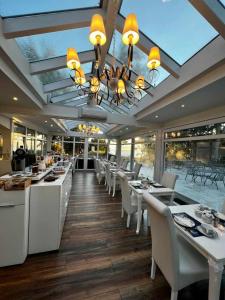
{"points": [[179, 262], [129, 201]]}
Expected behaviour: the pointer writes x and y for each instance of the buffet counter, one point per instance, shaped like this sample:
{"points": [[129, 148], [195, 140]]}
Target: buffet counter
{"points": [[32, 219]]}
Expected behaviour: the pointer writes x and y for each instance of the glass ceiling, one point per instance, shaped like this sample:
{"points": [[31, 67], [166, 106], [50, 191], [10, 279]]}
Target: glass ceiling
{"points": [[48, 45], [176, 26], [61, 74], [139, 58], [222, 2], [23, 7]]}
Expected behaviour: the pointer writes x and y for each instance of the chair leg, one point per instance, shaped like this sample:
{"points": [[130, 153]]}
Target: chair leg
{"points": [[174, 295], [122, 213], [128, 221], [153, 269]]}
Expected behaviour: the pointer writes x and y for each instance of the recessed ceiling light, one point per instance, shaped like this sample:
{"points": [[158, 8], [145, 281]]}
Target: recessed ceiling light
{"points": [[46, 121], [156, 116], [127, 128], [182, 105], [15, 98], [51, 125]]}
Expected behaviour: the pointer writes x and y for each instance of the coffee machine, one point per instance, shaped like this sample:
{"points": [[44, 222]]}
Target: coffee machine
{"points": [[19, 160]]}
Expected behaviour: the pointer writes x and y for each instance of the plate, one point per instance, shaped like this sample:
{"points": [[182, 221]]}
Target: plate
{"points": [[220, 216], [203, 229], [183, 221]]}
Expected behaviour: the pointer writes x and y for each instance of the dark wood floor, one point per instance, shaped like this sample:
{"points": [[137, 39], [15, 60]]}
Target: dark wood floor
{"points": [[98, 259]]}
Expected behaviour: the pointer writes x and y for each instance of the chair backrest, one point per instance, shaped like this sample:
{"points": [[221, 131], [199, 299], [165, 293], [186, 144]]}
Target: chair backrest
{"points": [[98, 166], [136, 170], [164, 240], [169, 180], [112, 158], [223, 207], [126, 202], [107, 172], [121, 162], [124, 164]]}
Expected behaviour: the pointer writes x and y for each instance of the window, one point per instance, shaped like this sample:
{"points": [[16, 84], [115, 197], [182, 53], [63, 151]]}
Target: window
{"points": [[68, 148], [176, 26], [112, 147], [126, 149], [39, 147], [48, 45], [23, 7], [144, 153], [212, 129], [200, 165], [140, 59]]}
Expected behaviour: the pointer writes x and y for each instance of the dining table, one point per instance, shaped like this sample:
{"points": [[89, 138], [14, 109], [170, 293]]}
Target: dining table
{"points": [[155, 189], [213, 249]]}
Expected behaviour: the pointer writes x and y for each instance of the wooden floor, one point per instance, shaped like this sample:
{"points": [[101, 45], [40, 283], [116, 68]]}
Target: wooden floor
{"points": [[98, 259]]}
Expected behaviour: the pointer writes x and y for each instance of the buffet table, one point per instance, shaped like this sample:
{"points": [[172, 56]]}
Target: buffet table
{"points": [[32, 219]]}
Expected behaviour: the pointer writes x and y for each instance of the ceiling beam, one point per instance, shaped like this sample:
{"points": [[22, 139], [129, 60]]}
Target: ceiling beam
{"points": [[42, 23], [145, 44], [56, 63], [77, 101], [66, 96], [61, 84], [213, 12], [111, 11]]}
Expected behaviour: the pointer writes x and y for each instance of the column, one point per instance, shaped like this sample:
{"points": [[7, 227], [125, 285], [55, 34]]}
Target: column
{"points": [[118, 151], [159, 155]]}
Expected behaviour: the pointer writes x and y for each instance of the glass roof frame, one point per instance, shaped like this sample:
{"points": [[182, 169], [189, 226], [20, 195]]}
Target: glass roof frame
{"points": [[162, 48], [54, 11]]}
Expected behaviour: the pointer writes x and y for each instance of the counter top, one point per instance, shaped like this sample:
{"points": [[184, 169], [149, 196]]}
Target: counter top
{"points": [[58, 181]]}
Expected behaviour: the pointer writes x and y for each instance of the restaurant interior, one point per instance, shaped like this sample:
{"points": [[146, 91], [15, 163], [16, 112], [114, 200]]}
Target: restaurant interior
{"points": [[112, 150]]}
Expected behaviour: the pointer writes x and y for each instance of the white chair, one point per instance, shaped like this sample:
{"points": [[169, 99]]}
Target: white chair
{"points": [[108, 178], [112, 158], [124, 164], [100, 172], [169, 180], [136, 170], [179, 262], [129, 201]]}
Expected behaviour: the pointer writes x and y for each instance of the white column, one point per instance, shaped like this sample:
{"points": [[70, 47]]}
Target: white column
{"points": [[118, 150], [49, 140], [132, 154], [159, 155]]}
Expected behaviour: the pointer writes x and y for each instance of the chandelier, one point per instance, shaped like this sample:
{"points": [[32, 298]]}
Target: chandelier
{"points": [[116, 79], [88, 129]]}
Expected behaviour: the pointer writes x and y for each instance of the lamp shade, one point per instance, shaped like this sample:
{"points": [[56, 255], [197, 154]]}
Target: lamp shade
{"points": [[94, 84], [120, 87], [73, 61], [140, 82], [80, 76], [130, 30], [97, 34], [153, 58]]}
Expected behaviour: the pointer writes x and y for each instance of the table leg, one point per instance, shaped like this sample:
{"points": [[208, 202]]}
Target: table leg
{"points": [[114, 184], [139, 213], [215, 276]]}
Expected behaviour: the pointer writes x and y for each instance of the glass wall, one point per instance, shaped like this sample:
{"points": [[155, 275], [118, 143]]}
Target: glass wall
{"points": [[103, 148], [112, 147], [31, 140], [199, 162], [144, 153], [126, 149]]}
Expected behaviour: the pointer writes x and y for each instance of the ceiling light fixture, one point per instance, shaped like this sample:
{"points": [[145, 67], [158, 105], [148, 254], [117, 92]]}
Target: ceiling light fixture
{"points": [[156, 116], [46, 121], [51, 125], [117, 79], [15, 98], [88, 129], [182, 105]]}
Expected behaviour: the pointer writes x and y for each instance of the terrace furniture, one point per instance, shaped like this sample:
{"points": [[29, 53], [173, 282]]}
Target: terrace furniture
{"points": [[169, 180], [129, 201], [100, 172], [180, 263]]}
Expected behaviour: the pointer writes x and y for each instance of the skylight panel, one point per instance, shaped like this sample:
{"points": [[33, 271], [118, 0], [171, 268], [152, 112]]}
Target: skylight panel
{"points": [[222, 2], [176, 26], [53, 44], [24, 7], [139, 59]]}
